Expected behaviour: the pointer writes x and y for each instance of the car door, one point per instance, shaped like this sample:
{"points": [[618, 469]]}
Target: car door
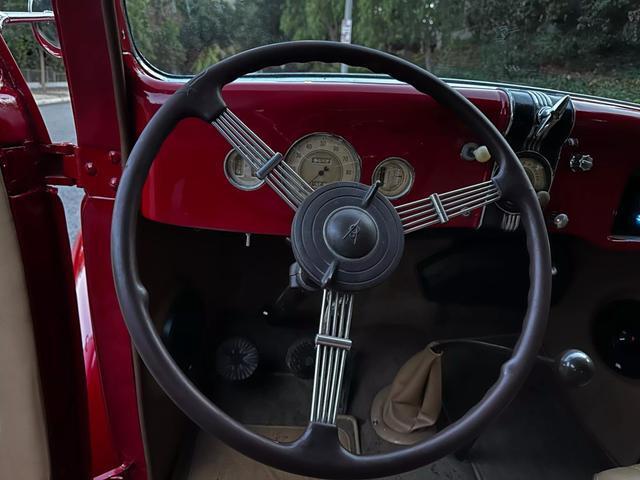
{"points": [[43, 409]]}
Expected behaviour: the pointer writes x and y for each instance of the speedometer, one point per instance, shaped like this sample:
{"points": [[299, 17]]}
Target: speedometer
{"points": [[323, 158]]}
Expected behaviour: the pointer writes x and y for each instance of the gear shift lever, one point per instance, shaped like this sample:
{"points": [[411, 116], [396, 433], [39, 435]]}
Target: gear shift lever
{"points": [[573, 367]]}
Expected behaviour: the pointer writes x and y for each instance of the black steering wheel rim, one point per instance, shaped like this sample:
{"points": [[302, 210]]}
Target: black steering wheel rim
{"points": [[317, 452]]}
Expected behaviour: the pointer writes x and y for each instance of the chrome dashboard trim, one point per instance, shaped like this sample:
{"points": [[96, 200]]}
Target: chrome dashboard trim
{"points": [[512, 107]]}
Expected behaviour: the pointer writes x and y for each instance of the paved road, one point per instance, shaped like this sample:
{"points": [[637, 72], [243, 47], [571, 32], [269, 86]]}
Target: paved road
{"points": [[59, 121]]}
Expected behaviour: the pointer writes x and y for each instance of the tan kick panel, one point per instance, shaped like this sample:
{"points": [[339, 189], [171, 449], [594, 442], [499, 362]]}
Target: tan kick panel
{"points": [[23, 440]]}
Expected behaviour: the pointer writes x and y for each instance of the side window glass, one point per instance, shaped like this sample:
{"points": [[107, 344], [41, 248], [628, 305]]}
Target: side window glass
{"points": [[45, 75]]}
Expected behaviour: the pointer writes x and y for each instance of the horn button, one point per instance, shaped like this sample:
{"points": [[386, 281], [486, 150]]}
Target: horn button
{"points": [[350, 232], [347, 236]]}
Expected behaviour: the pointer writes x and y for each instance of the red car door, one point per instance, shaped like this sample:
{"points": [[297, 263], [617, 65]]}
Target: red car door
{"points": [[43, 406]]}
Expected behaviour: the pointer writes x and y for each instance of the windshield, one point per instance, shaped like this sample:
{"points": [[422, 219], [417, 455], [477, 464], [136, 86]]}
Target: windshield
{"points": [[589, 46]]}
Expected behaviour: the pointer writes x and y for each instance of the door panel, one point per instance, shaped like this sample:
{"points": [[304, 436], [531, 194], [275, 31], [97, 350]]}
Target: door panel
{"points": [[43, 403]]}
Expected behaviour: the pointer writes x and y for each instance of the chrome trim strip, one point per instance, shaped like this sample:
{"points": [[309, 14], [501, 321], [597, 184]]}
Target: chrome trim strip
{"points": [[512, 107], [335, 323], [7, 18]]}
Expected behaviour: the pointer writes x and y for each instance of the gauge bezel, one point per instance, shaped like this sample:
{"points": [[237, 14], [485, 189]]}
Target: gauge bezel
{"points": [[412, 176], [350, 147], [232, 180], [506, 207], [542, 160]]}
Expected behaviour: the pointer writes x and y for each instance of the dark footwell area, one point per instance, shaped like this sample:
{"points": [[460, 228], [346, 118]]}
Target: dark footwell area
{"points": [[537, 437]]}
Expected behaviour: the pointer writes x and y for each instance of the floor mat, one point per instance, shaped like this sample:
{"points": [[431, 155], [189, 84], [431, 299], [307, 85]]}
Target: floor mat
{"points": [[213, 460]]}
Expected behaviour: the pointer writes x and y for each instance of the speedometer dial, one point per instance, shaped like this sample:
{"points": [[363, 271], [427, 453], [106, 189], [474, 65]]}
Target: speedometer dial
{"points": [[322, 158]]}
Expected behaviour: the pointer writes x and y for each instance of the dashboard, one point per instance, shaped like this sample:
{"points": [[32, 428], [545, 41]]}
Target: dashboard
{"points": [[577, 152]]}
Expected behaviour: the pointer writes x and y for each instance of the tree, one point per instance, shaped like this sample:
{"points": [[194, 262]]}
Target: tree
{"points": [[23, 46], [406, 27], [312, 19], [258, 23]]}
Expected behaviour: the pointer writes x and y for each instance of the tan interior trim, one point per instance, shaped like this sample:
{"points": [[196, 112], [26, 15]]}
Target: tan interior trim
{"points": [[622, 473], [23, 438]]}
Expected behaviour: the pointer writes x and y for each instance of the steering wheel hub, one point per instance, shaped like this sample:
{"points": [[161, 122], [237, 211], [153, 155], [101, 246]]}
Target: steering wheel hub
{"points": [[345, 238], [351, 232]]}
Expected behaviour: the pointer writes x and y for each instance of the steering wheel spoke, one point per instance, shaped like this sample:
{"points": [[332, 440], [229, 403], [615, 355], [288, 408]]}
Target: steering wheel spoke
{"points": [[440, 208], [268, 164], [332, 345]]}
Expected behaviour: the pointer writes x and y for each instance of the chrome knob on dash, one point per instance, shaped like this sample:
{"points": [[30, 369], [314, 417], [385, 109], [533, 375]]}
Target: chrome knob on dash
{"points": [[560, 221], [581, 163]]}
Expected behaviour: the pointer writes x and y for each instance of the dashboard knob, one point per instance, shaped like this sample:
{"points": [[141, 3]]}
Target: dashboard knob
{"points": [[581, 163], [544, 198], [482, 154], [561, 220]]}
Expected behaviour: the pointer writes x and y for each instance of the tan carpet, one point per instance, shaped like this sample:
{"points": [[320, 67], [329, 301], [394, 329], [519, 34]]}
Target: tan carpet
{"points": [[213, 460]]}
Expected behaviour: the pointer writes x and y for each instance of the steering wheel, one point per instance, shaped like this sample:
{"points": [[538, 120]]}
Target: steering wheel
{"points": [[345, 237]]}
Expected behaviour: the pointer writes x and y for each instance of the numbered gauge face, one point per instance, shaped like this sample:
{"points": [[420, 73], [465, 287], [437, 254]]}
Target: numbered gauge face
{"points": [[396, 176], [537, 169], [321, 158], [240, 173]]}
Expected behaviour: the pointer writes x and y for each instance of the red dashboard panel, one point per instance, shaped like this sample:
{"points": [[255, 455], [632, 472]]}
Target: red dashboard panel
{"points": [[187, 185], [609, 134]]}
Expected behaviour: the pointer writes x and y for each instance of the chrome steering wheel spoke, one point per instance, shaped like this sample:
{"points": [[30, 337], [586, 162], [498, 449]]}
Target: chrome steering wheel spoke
{"points": [[332, 345], [440, 208], [292, 188]]}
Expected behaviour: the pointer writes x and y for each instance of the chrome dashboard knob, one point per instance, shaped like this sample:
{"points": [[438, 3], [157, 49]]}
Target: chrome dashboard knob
{"points": [[581, 163], [561, 220]]}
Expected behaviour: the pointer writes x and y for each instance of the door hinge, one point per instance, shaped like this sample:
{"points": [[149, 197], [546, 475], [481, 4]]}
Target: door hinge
{"points": [[59, 163]]}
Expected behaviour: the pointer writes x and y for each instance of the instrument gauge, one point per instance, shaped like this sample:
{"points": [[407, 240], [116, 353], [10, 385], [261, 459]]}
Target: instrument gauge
{"points": [[239, 173], [323, 158], [396, 176], [538, 170]]}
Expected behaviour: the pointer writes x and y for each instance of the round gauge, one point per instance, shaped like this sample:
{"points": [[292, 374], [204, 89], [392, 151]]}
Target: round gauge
{"points": [[240, 173], [322, 158], [396, 176], [537, 169]]}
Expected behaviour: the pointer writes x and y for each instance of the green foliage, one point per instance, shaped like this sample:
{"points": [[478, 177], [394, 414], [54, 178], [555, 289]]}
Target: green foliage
{"points": [[312, 19], [21, 42], [403, 26], [588, 46]]}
